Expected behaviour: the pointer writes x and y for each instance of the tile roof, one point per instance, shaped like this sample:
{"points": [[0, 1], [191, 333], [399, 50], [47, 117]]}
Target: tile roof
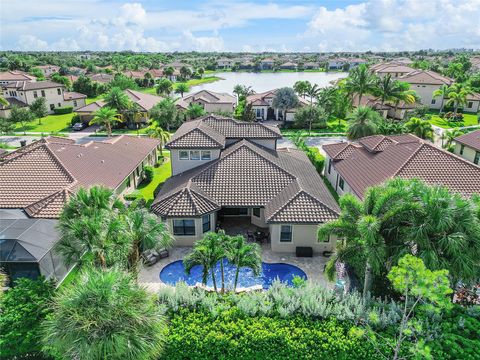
{"points": [[426, 77], [377, 158], [40, 176], [248, 175], [15, 102], [72, 95], [211, 97], [261, 98], [471, 139], [15, 76], [145, 101], [391, 67], [33, 85], [102, 78], [92, 107]]}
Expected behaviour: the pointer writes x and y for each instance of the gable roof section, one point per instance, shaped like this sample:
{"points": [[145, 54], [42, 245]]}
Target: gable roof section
{"points": [[15, 76], [234, 129], [145, 101], [211, 97], [33, 85], [426, 77], [471, 140], [196, 134]]}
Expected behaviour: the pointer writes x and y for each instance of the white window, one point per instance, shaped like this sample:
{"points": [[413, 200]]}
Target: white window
{"points": [[470, 104], [258, 113], [194, 155], [206, 155], [286, 233], [183, 155]]}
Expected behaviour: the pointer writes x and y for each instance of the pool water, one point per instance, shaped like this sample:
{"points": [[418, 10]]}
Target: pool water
{"points": [[175, 272]]}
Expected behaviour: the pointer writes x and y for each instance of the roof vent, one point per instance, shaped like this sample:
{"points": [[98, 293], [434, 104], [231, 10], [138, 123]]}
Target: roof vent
{"points": [[102, 161]]}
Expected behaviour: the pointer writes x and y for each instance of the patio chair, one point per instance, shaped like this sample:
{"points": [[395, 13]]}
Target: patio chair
{"points": [[150, 257], [250, 237], [163, 253]]}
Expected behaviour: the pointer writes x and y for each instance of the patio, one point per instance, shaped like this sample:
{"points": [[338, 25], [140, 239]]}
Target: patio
{"points": [[241, 226], [313, 267]]}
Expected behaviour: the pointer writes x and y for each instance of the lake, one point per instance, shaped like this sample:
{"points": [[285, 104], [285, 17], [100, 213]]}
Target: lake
{"points": [[261, 82]]}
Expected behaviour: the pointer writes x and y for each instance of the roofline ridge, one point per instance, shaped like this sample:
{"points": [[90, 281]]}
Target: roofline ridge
{"points": [[48, 199], [61, 164], [31, 147], [422, 143], [288, 201]]}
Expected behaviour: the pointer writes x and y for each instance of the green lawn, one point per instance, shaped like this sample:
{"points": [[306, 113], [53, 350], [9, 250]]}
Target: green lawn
{"points": [[161, 173], [333, 126], [90, 100], [49, 124], [468, 120]]}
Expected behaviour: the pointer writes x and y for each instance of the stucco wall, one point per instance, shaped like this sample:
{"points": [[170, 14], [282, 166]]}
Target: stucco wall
{"points": [[179, 166], [190, 240], [425, 92], [468, 153], [334, 178], [260, 222], [302, 235]]}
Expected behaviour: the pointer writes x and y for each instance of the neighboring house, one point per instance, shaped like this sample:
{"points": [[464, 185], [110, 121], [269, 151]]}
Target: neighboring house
{"points": [[225, 63], [14, 76], [475, 61], [48, 70], [210, 101], [468, 147], [397, 111], [288, 66], [77, 70], [74, 99], [473, 103], [229, 170], [311, 65], [394, 68], [263, 109], [425, 82], [352, 167], [342, 63], [267, 64], [54, 93], [101, 78], [38, 179], [5, 110], [135, 74], [87, 112]]}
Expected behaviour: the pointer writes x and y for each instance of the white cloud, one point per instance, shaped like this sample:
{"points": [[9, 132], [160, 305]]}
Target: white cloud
{"points": [[31, 42]]}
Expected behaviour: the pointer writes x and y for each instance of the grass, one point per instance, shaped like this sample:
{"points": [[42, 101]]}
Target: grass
{"points": [[190, 83], [160, 174], [334, 126], [96, 98], [49, 124], [468, 120], [7, 147]]}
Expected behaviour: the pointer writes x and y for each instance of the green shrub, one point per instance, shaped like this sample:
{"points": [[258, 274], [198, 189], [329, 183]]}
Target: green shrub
{"points": [[75, 119], [130, 197], [23, 308], [63, 110], [317, 159], [149, 172]]}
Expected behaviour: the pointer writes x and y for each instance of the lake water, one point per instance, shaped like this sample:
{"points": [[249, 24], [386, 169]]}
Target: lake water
{"points": [[261, 82]]}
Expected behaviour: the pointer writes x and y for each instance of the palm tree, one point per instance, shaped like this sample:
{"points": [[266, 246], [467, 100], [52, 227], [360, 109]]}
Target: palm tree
{"points": [[443, 93], [313, 91], [301, 87], [106, 117], [421, 128], [117, 99], [360, 81], [450, 136], [164, 87], [165, 114], [385, 88], [168, 71], [285, 98], [402, 92], [243, 254], [458, 96], [185, 72], [363, 121], [194, 111], [181, 88], [106, 315], [157, 132]]}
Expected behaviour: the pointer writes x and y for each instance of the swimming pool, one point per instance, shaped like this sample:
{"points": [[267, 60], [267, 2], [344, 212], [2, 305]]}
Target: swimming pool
{"points": [[175, 272]]}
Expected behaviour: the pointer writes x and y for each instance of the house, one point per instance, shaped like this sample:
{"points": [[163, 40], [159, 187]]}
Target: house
{"points": [[394, 69], [397, 111], [288, 66], [210, 101], [225, 63], [229, 171], [352, 167], [475, 61], [468, 146], [425, 82], [26, 92], [48, 70], [473, 103], [135, 74], [267, 64], [263, 109], [39, 178], [336, 64], [14, 76], [101, 78], [311, 65]]}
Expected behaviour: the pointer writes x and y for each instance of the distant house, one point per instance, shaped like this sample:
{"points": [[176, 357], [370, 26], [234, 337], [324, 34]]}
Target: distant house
{"points": [[352, 167], [14, 76], [38, 179], [48, 70], [288, 66], [74, 99], [468, 146], [475, 61], [473, 103], [135, 74], [230, 173], [394, 69], [311, 65], [101, 78], [344, 63], [210, 101], [263, 109], [267, 64], [225, 63]]}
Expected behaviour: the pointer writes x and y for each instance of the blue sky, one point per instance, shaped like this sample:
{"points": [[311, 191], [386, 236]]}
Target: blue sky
{"points": [[294, 25]]}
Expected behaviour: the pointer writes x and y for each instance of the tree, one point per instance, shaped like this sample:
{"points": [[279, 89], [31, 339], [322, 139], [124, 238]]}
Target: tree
{"points": [[285, 98], [457, 96], [85, 85], [450, 136], [23, 308], [165, 114], [117, 99], [164, 87], [442, 92], [3, 102], [313, 91], [185, 72], [201, 71], [242, 254], [123, 82], [61, 80], [168, 71], [421, 128], [402, 92], [307, 115], [301, 87], [360, 81], [248, 114], [418, 285], [242, 91], [39, 109], [21, 116], [157, 132], [106, 117], [6, 126], [106, 315], [385, 88], [363, 121], [181, 88], [194, 111]]}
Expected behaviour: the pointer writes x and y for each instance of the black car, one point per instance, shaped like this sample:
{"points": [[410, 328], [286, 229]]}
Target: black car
{"points": [[79, 126]]}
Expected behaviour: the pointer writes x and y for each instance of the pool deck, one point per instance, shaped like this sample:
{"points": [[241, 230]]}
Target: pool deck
{"points": [[149, 277]]}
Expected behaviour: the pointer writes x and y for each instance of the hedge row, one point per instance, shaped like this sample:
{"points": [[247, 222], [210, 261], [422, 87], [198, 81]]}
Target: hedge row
{"points": [[198, 335], [317, 159], [63, 110]]}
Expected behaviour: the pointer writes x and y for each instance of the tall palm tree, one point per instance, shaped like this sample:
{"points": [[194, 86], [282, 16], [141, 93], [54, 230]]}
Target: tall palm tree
{"points": [[442, 92], [458, 96], [301, 87], [402, 92], [421, 128], [117, 99], [181, 88], [168, 71], [164, 87], [157, 132], [385, 88], [313, 91], [363, 121], [450, 136], [106, 117], [107, 315], [360, 81], [243, 254], [194, 111]]}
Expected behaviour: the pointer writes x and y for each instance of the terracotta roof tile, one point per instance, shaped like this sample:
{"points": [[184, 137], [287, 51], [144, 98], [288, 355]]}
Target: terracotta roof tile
{"points": [[471, 139]]}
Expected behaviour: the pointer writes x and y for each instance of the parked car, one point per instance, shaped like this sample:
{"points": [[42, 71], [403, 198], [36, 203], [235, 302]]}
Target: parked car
{"points": [[79, 126]]}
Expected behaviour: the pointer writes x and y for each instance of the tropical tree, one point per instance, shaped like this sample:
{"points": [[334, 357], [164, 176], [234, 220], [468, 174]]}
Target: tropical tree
{"points": [[458, 96], [385, 88], [307, 115], [106, 315], [164, 87], [157, 132], [194, 111], [450, 136], [117, 99], [181, 88], [39, 109], [403, 93], [3, 102], [201, 71], [363, 121], [285, 98], [313, 91], [21, 116], [168, 71], [165, 114], [360, 81], [185, 72], [242, 254], [442, 92], [301, 87], [421, 128], [242, 91], [106, 117]]}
